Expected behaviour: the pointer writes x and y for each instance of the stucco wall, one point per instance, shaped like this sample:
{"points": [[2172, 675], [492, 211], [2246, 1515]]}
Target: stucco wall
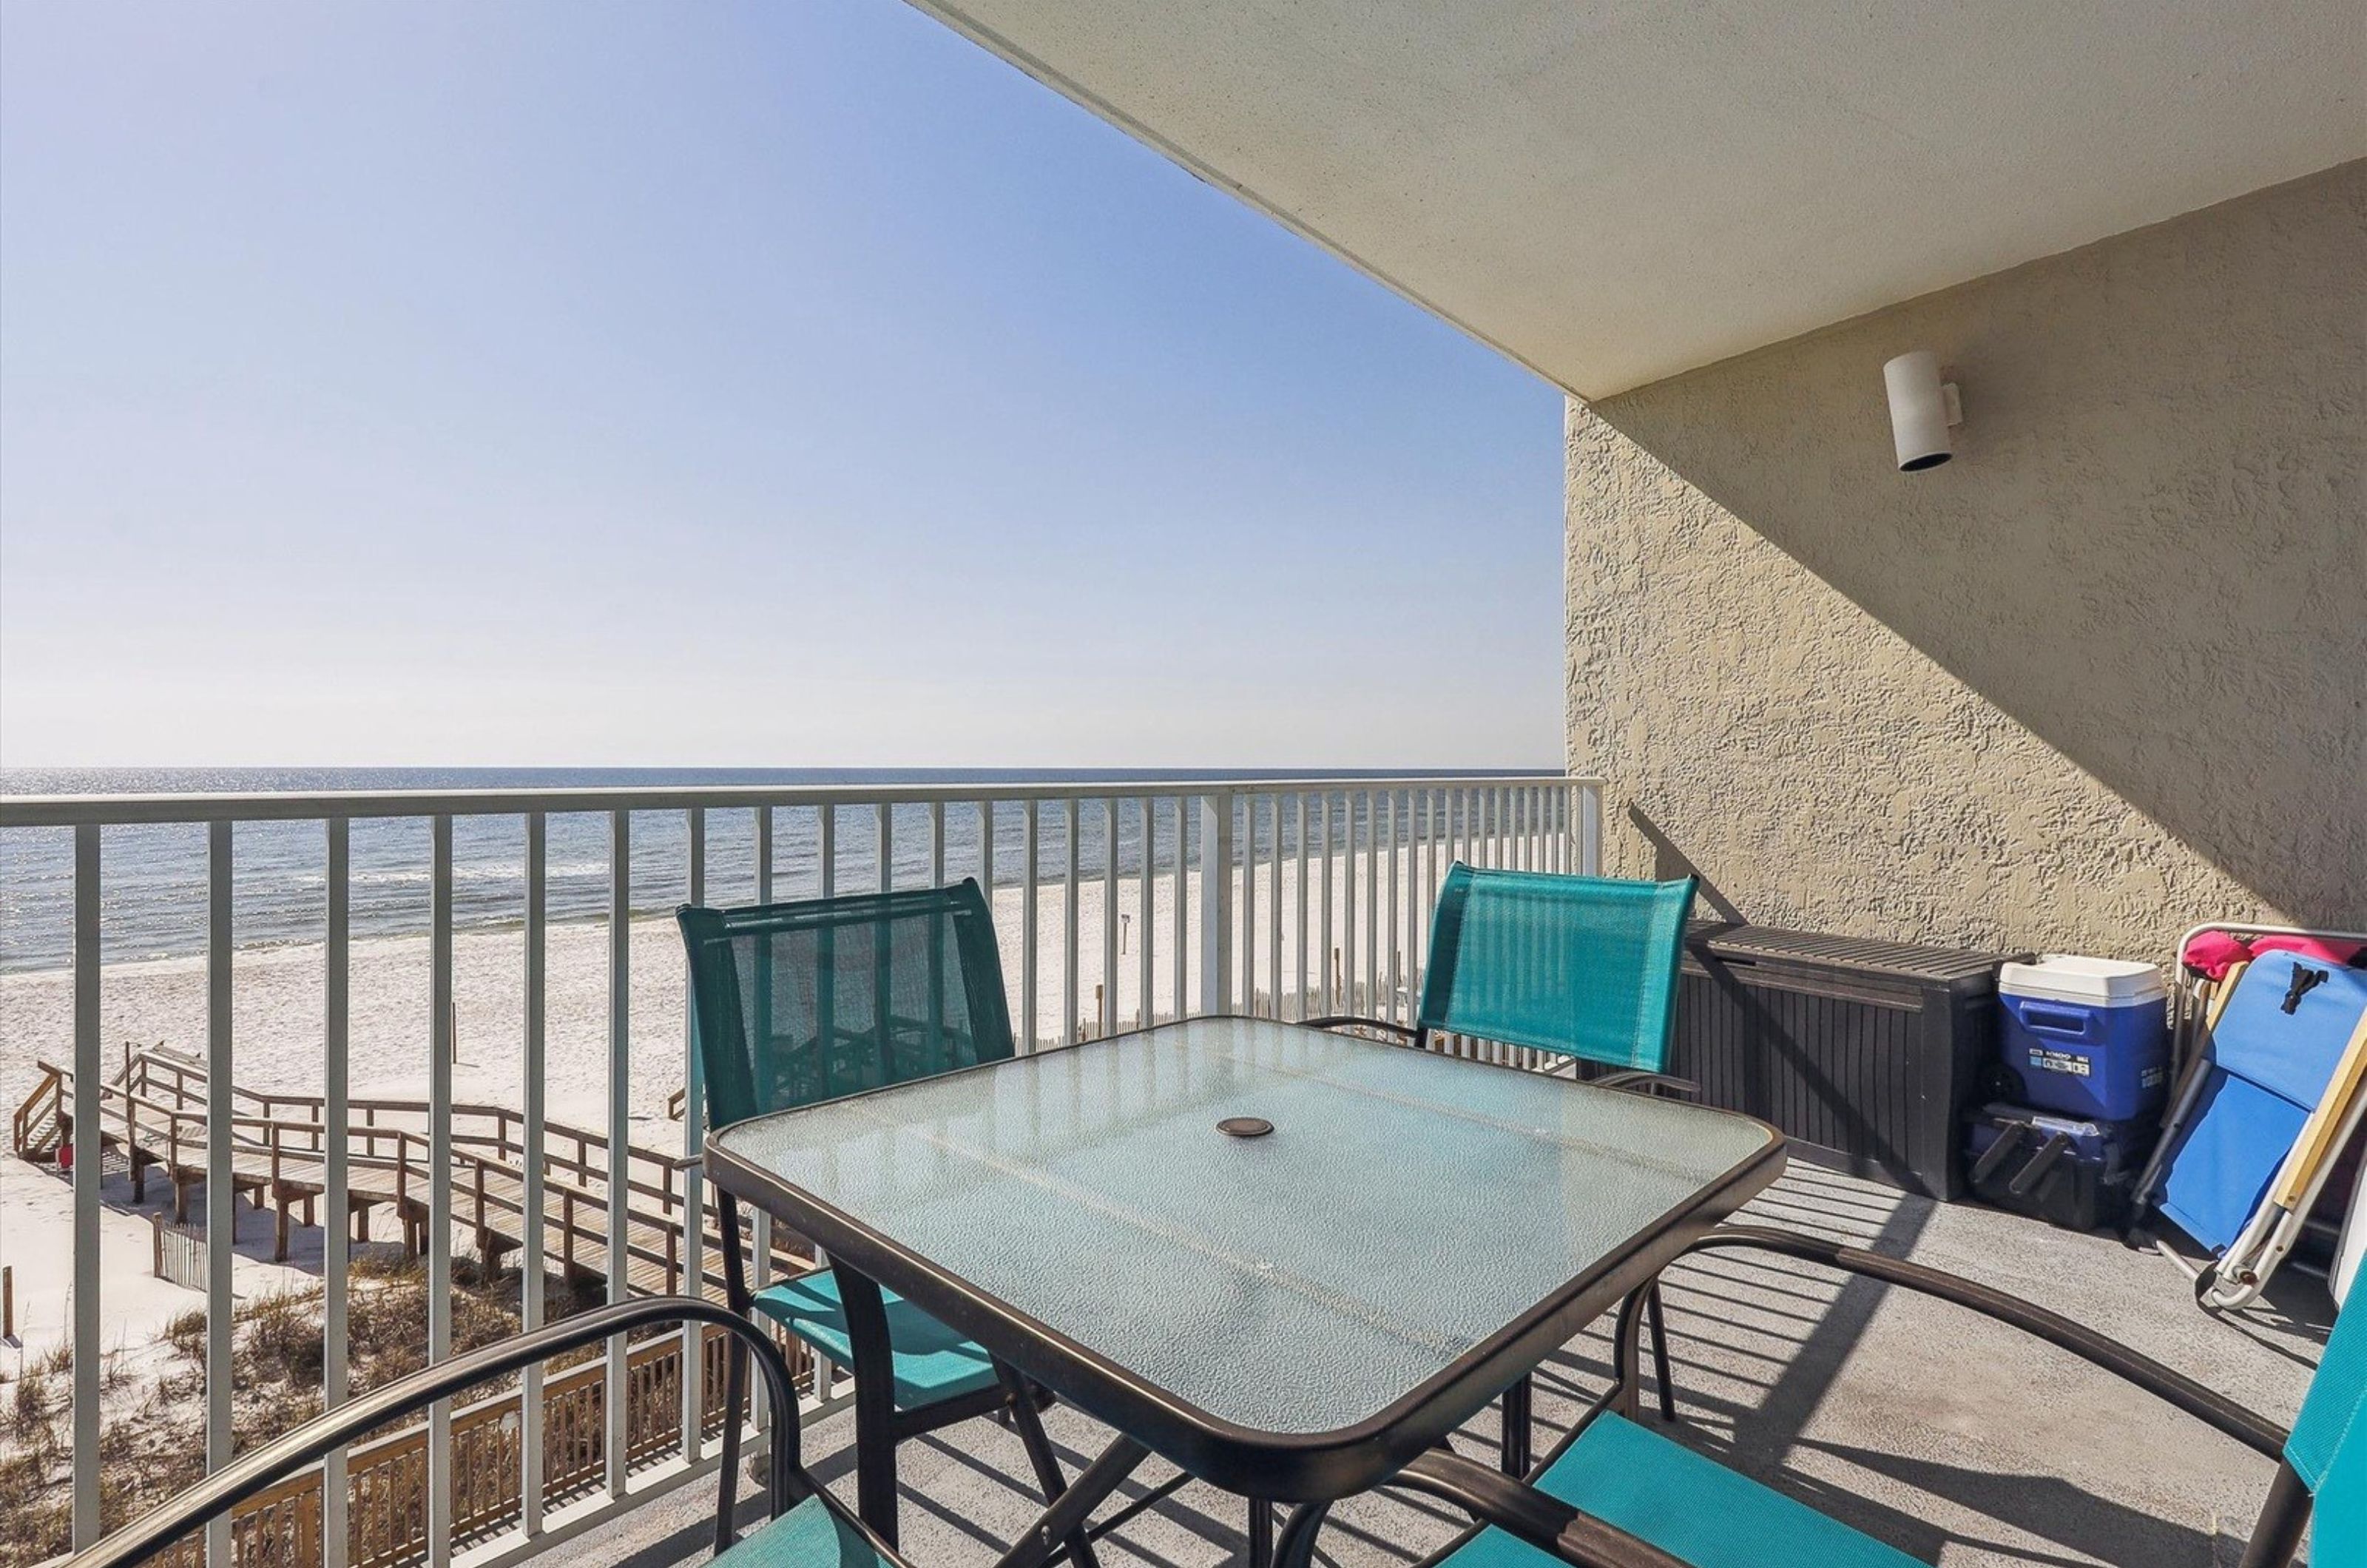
{"points": [[2102, 675]]}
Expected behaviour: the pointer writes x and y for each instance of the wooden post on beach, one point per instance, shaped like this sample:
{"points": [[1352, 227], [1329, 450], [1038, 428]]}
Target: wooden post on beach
{"points": [[8, 1301], [131, 1138]]}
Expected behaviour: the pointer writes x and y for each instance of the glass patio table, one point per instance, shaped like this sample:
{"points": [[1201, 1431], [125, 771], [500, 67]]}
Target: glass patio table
{"points": [[1291, 1317]]}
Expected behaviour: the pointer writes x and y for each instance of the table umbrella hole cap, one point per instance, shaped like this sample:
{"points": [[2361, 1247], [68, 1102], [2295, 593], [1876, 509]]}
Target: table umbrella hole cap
{"points": [[1245, 1126]]}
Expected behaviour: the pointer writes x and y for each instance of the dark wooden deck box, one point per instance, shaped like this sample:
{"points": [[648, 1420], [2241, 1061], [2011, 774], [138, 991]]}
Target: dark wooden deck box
{"points": [[1868, 1054]]}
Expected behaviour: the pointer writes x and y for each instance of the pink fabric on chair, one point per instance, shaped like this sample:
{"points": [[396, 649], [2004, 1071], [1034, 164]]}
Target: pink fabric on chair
{"points": [[2213, 954]]}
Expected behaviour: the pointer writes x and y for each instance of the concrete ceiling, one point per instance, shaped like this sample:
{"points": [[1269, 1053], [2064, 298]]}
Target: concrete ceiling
{"points": [[1613, 191]]}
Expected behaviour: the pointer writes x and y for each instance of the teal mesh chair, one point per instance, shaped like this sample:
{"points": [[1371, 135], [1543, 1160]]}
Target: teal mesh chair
{"points": [[1617, 1494], [2324, 1462], [802, 1002], [1583, 966], [809, 1527]]}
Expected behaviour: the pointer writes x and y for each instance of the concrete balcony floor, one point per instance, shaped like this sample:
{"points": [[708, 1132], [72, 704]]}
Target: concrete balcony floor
{"points": [[1954, 1439]]}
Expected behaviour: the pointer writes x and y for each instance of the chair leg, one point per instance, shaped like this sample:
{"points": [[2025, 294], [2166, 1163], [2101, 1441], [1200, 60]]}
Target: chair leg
{"points": [[1514, 1456], [735, 1373], [1260, 1531], [2277, 1536], [1659, 1328], [1047, 1464], [874, 1403], [735, 1402]]}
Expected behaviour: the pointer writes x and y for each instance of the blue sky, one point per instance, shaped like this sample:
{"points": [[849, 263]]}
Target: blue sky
{"points": [[733, 385]]}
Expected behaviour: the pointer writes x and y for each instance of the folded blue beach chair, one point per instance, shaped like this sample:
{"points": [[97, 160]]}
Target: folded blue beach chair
{"points": [[2268, 1064]]}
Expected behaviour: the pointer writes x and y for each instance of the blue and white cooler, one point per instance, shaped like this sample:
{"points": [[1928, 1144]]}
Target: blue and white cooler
{"points": [[2089, 1037]]}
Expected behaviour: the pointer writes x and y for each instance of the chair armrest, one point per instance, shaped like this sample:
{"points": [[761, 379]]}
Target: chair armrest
{"points": [[158, 1528], [1493, 1497], [2212, 1409], [1638, 1078], [1348, 1020]]}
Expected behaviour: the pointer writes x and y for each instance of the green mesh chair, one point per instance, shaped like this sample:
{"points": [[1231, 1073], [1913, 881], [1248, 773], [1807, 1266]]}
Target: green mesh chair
{"points": [[1583, 966], [1617, 1495], [798, 1003], [810, 1528]]}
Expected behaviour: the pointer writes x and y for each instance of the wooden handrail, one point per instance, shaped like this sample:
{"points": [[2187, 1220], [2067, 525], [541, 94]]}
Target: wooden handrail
{"points": [[156, 1106], [21, 1128]]}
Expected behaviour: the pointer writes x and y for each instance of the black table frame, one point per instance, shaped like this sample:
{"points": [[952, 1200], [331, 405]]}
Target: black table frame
{"points": [[1275, 1466]]}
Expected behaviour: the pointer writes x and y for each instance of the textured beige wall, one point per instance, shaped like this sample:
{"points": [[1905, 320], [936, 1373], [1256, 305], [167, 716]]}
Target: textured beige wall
{"points": [[2101, 676]]}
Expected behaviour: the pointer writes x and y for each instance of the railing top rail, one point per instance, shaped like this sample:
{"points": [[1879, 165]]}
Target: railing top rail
{"points": [[112, 810]]}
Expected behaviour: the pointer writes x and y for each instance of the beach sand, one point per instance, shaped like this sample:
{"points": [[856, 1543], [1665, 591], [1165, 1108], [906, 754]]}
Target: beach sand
{"points": [[278, 999]]}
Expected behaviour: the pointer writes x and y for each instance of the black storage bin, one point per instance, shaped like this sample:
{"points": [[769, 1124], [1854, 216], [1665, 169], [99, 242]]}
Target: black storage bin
{"points": [[1865, 1054]]}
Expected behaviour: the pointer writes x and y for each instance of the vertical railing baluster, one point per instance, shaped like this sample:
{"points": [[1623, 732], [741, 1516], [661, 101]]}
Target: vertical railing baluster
{"points": [[621, 1128], [440, 1049], [694, 1192], [986, 858], [1108, 1021], [1146, 970], [1180, 912], [1373, 1005], [1323, 949], [936, 843], [826, 848], [1429, 894], [1299, 826], [1070, 955], [1246, 944], [221, 1196], [1273, 909], [531, 1252], [883, 823], [1028, 865], [1348, 1003], [1393, 961], [87, 1168], [760, 1223], [826, 867], [337, 1219], [1216, 902]]}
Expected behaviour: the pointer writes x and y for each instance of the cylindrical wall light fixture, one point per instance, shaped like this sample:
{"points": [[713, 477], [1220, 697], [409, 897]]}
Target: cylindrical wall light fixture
{"points": [[1922, 406]]}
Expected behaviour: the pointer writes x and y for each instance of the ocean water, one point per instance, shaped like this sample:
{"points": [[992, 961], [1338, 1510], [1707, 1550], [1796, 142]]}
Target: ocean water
{"points": [[153, 878]]}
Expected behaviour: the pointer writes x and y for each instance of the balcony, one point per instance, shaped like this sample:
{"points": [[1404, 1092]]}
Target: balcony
{"points": [[1117, 905]]}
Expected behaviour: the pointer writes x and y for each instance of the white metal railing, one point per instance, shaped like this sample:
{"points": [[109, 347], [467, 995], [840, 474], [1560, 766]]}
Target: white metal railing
{"points": [[1287, 897]]}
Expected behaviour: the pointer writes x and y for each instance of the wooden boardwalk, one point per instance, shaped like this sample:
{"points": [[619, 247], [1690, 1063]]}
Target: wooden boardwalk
{"points": [[152, 1115]]}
